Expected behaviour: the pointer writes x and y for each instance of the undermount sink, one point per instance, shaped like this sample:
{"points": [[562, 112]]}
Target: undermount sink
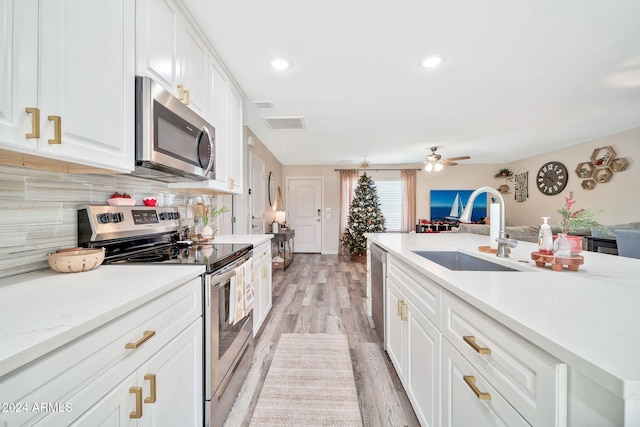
{"points": [[459, 261]]}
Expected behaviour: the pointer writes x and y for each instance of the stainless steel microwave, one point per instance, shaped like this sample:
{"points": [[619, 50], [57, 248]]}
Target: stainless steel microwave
{"points": [[172, 141]]}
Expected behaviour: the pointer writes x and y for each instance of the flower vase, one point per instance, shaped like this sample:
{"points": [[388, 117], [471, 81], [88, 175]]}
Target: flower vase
{"points": [[206, 233]]}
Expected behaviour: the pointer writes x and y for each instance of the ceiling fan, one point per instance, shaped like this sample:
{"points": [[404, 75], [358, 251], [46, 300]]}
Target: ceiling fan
{"points": [[435, 162]]}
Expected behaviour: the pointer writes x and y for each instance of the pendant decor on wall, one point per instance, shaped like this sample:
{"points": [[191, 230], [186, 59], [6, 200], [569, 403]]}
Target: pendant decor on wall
{"points": [[601, 167], [522, 185]]}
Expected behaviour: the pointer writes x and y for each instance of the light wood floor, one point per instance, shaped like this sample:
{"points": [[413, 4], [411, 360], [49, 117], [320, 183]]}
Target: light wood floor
{"points": [[327, 294]]}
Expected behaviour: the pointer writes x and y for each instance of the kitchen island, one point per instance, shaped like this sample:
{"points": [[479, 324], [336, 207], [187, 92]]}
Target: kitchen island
{"points": [[585, 321]]}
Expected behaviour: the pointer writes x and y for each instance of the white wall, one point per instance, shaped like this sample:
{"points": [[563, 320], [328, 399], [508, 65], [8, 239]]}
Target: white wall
{"points": [[620, 197]]}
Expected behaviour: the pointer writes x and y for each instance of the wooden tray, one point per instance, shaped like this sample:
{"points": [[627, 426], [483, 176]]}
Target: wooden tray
{"points": [[572, 262]]}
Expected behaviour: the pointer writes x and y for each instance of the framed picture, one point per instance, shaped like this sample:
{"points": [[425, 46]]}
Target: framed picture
{"points": [[447, 205]]}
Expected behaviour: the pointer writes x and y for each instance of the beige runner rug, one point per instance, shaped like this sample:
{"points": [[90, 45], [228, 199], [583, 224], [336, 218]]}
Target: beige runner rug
{"points": [[310, 383]]}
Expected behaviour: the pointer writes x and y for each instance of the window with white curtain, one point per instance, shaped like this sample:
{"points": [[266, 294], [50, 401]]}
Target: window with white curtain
{"points": [[390, 198]]}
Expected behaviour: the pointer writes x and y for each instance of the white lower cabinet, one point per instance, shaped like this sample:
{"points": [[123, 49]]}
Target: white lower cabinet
{"points": [[462, 368], [413, 344], [262, 285], [112, 410], [468, 399], [532, 381], [162, 392], [143, 368]]}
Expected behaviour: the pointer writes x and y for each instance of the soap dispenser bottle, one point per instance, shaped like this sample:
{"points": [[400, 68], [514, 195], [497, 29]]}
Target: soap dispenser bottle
{"points": [[545, 239]]}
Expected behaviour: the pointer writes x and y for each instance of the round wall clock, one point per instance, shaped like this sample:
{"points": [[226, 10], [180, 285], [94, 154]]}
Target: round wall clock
{"points": [[552, 178]]}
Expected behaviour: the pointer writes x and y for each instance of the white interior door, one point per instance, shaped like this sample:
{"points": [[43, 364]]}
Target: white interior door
{"points": [[304, 211], [256, 194]]}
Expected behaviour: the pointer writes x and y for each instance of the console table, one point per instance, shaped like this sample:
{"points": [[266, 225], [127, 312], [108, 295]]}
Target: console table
{"points": [[284, 243]]}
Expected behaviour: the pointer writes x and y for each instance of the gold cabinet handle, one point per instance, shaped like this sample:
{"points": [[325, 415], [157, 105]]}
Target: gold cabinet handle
{"points": [[187, 97], [181, 93], [145, 336], [471, 340], [35, 123], [400, 303], [471, 382], [57, 129], [403, 316], [138, 392], [152, 385], [230, 183]]}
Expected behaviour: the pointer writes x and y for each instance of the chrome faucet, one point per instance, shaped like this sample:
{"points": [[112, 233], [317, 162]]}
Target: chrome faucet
{"points": [[503, 242]]}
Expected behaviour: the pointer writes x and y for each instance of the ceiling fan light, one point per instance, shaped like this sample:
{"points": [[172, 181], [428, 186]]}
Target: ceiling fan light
{"points": [[438, 167], [429, 167]]}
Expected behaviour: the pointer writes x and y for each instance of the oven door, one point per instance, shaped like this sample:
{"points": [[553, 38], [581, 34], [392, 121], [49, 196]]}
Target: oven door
{"points": [[224, 340]]}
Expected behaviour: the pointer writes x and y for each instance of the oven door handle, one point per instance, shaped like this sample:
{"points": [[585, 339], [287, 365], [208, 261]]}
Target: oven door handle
{"points": [[217, 280]]}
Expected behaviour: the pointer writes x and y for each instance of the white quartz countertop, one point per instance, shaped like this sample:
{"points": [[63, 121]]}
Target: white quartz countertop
{"points": [[254, 239], [42, 311], [588, 318]]}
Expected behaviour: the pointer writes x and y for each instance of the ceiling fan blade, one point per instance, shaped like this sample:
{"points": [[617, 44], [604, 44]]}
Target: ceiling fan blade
{"points": [[449, 163], [453, 159]]}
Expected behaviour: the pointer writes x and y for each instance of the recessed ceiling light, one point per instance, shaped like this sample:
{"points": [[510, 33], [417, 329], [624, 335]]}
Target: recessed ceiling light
{"points": [[432, 61], [280, 63]]}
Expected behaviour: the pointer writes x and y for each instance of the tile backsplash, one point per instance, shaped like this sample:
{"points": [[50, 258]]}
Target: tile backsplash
{"points": [[38, 210]]}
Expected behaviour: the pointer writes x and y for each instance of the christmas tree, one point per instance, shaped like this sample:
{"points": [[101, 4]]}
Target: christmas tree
{"points": [[365, 216]]}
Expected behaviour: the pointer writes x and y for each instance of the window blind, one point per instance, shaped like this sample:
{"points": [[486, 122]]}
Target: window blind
{"points": [[390, 198]]}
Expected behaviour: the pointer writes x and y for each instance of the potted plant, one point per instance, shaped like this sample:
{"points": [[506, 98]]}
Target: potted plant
{"points": [[580, 220], [208, 231], [504, 173]]}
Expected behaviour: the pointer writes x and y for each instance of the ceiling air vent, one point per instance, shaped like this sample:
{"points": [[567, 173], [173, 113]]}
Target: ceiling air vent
{"points": [[264, 105], [285, 123]]}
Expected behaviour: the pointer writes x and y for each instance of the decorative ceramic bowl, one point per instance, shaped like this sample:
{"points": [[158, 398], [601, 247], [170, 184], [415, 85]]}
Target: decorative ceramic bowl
{"points": [[76, 260], [121, 201]]}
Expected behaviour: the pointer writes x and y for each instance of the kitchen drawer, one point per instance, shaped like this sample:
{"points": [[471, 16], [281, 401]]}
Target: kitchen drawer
{"points": [[261, 252], [58, 376], [530, 379], [425, 293], [462, 407]]}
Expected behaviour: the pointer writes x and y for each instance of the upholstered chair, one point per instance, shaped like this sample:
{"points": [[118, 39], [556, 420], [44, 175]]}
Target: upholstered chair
{"points": [[628, 243]]}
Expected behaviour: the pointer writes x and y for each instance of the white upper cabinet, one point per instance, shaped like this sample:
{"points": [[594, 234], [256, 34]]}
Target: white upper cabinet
{"points": [[18, 73], [158, 42], [68, 68], [194, 57], [171, 51], [235, 163]]}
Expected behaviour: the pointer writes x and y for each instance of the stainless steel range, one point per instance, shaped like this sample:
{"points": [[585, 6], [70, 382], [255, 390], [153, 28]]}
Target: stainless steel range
{"points": [[141, 234]]}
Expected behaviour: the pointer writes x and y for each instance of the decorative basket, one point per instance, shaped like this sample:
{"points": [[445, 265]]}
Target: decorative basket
{"points": [[76, 260]]}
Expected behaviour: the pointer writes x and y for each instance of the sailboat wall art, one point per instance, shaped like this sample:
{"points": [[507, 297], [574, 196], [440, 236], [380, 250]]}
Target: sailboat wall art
{"points": [[447, 205]]}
